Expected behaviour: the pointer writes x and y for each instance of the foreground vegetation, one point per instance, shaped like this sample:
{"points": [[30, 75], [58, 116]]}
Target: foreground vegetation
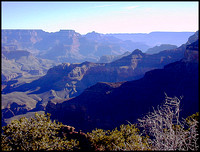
{"points": [[161, 129], [38, 133]]}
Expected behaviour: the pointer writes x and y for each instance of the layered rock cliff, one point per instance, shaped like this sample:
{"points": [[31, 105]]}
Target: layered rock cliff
{"points": [[107, 105], [69, 80]]}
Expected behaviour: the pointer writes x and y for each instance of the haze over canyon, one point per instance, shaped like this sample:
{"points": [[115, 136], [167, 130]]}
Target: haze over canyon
{"points": [[96, 80]]}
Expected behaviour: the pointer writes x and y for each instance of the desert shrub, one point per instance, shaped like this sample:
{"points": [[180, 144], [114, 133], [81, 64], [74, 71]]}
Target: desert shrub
{"points": [[127, 138], [38, 133], [167, 131]]}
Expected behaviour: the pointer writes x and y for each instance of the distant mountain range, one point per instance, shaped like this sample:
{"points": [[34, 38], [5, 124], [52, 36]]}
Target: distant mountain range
{"points": [[108, 105], [153, 50], [70, 46], [67, 45], [69, 80], [155, 38]]}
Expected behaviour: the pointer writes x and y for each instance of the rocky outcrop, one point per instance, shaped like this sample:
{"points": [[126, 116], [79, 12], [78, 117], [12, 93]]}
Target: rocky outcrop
{"points": [[14, 109], [111, 58], [192, 52], [11, 76], [17, 103], [70, 133], [21, 63], [21, 38]]}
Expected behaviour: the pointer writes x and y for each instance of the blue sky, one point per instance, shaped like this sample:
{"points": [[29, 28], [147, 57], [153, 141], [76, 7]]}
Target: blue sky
{"points": [[102, 17]]}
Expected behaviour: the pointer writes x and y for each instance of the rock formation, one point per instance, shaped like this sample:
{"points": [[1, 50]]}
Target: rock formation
{"points": [[107, 105]]}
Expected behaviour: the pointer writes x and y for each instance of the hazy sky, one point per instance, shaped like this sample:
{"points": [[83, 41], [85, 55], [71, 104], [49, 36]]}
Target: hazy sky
{"points": [[102, 17]]}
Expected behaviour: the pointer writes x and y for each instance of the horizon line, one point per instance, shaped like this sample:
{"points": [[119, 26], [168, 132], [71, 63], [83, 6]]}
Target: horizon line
{"points": [[101, 33]]}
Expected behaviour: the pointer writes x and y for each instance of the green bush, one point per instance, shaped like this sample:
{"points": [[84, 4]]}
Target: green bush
{"points": [[127, 138], [38, 133]]}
